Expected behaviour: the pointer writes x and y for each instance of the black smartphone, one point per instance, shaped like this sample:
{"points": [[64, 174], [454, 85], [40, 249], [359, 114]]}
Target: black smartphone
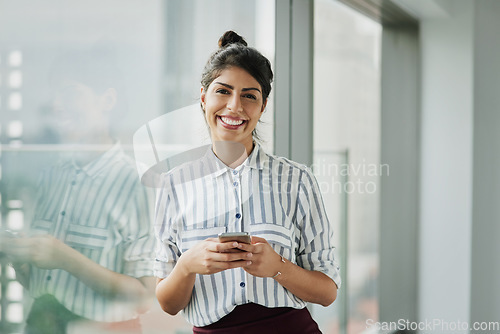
{"points": [[243, 237]]}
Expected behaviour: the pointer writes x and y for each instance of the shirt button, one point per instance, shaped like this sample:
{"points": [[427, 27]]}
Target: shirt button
{"points": [[235, 184], [235, 172], [73, 183], [242, 284], [49, 278], [63, 213], [238, 215]]}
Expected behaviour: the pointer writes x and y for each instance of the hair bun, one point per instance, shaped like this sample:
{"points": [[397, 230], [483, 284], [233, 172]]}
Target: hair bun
{"points": [[230, 37]]}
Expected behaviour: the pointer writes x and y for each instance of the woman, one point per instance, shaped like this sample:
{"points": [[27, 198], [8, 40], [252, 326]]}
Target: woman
{"points": [[87, 258], [228, 287]]}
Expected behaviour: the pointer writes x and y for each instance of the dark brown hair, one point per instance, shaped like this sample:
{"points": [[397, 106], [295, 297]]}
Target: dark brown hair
{"points": [[234, 51]]}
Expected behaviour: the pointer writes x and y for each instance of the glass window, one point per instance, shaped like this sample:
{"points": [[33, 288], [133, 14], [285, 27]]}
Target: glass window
{"points": [[78, 79], [346, 154]]}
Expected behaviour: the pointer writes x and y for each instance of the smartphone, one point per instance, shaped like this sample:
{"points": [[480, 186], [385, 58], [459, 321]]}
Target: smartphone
{"points": [[243, 237]]}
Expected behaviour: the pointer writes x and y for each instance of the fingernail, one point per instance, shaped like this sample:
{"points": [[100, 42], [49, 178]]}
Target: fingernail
{"points": [[235, 244], [249, 255], [249, 263]]}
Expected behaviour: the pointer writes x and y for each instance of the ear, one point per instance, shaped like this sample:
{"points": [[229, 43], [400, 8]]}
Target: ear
{"points": [[108, 99], [202, 97], [264, 106]]}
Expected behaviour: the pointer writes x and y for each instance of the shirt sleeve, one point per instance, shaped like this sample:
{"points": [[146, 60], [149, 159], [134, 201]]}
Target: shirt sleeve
{"points": [[41, 194], [167, 251], [316, 249], [138, 231]]}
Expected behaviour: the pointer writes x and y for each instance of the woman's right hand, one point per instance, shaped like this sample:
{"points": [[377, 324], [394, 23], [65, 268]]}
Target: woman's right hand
{"points": [[207, 257], [211, 256]]}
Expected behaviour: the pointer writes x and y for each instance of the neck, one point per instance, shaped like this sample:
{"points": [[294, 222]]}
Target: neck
{"points": [[232, 154], [99, 147]]}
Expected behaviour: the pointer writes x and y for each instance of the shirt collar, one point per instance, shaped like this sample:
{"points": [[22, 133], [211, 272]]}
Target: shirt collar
{"points": [[113, 154], [97, 165], [256, 160]]}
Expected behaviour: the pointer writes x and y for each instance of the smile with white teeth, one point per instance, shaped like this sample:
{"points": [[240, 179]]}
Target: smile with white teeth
{"points": [[231, 121]]}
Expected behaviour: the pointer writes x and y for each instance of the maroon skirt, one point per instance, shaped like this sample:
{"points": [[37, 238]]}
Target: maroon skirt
{"points": [[253, 318]]}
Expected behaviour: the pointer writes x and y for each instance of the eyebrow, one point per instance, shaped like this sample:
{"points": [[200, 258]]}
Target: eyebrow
{"points": [[243, 90]]}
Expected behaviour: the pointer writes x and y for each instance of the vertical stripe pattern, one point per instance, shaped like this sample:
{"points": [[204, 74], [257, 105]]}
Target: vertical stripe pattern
{"points": [[270, 197], [103, 212]]}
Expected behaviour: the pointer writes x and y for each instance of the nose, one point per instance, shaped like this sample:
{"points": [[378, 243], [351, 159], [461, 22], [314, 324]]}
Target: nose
{"points": [[234, 103]]}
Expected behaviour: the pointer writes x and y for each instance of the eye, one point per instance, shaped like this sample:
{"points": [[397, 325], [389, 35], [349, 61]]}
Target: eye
{"points": [[251, 96], [222, 91]]}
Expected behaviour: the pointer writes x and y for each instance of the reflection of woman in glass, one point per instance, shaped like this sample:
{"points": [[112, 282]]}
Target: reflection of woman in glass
{"points": [[88, 256], [237, 187]]}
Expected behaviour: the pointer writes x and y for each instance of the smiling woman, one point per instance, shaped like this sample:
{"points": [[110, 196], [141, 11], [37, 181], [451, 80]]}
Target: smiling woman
{"points": [[234, 53], [233, 104], [237, 187]]}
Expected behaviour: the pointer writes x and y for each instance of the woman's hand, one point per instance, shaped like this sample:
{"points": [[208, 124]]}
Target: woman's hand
{"points": [[207, 257], [311, 286], [211, 256], [47, 252], [42, 251], [265, 261]]}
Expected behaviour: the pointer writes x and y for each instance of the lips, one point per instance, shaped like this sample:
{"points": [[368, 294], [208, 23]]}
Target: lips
{"points": [[231, 122]]}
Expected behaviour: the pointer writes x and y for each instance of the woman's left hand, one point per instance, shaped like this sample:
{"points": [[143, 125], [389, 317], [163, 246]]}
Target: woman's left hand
{"points": [[265, 261], [42, 251], [311, 286]]}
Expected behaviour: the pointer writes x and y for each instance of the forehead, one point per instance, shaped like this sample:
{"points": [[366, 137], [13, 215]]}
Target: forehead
{"points": [[237, 77], [71, 87]]}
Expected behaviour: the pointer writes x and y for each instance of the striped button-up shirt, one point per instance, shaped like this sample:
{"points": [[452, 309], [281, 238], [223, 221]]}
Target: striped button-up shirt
{"points": [[104, 212], [270, 197]]}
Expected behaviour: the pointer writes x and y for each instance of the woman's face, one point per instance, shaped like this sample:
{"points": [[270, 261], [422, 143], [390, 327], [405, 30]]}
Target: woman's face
{"points": [[233, 104], [81, 113]]}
